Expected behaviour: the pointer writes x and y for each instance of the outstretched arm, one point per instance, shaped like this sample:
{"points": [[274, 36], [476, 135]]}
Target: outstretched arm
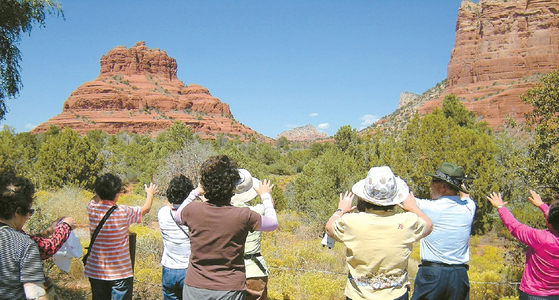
{"points": [[344, 206], [269, 221], [198, 191], [522, 232]]}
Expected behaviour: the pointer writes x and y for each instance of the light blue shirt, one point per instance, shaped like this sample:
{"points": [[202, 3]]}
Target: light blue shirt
{"points": [[452, 223]]}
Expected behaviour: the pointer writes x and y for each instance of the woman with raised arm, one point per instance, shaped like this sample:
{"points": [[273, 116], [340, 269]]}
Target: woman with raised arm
{"points": [[218, 232], [540, 280], [109, 267], [378, 239]]}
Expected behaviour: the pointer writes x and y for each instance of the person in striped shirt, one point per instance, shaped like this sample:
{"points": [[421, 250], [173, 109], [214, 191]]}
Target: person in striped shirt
{"points": [[109, 267], [21, 269]]}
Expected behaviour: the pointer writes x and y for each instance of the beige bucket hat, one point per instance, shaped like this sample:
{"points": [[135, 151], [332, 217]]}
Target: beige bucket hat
{"points": [[244, 190]]}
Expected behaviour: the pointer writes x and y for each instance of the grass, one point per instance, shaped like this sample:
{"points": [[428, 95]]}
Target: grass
{"points": [[301, 268]]}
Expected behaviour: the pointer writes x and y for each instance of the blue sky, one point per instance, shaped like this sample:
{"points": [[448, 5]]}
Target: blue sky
{"points": [[278, 64]]}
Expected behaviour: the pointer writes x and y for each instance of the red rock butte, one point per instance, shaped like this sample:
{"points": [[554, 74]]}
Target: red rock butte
{"points": [[501, 50], [138, 91]]}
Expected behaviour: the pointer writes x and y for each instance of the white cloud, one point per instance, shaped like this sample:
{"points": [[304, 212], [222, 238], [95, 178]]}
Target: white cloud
{"points": [[30, 126], [323, 126], [368, 120], [313, 115]]}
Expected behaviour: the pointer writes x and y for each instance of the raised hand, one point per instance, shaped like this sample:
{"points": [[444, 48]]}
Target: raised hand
{"points": [[409, 204], [535, 199], [265, 186], [346, 201], [496, 199]]}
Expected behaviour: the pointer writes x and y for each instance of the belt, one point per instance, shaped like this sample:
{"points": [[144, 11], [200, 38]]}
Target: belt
{"points": [[425, 263], [256, 261]]}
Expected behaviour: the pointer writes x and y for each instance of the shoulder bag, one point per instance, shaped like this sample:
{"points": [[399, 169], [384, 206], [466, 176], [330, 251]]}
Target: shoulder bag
{"points": [[173, 218]]}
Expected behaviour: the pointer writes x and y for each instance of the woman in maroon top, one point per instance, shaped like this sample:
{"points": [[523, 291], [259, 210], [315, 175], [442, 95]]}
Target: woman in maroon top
{"points": [[218, 232]]}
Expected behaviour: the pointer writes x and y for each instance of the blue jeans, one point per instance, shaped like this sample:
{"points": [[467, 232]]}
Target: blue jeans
{"points": [[172, 281], [120, 289]]}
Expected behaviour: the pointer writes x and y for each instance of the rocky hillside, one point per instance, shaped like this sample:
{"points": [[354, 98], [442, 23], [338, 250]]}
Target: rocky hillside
{"points": [[502, 49], [138, 91], [305, 133]]}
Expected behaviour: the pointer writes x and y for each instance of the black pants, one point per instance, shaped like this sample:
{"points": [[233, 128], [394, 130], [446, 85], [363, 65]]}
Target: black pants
{"points": [[442, 282], [524, 296]]}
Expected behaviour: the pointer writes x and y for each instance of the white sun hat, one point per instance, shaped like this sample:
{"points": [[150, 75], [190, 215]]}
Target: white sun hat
{"points": [[72, 248], [381, 187], [244, 190]]}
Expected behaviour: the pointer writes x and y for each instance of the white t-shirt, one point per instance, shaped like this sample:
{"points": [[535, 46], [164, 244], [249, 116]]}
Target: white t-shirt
{"points": [[176, 245]]}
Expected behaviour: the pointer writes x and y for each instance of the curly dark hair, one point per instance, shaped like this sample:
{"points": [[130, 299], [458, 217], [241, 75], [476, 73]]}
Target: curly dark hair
{"points": [[16, 195], [178, 189], [107, 186], [553, 216], [219, 176]]}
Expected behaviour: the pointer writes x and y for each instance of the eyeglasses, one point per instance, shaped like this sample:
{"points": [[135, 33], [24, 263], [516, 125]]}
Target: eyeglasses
{"points": [[31, 211]]}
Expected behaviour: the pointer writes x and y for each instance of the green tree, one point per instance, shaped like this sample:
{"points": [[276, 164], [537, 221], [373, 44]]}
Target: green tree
{"points": [[544, 120], [7, 149], [67, 159], [322, 180], [282, 143], [544, 99], [437, 137], [17, 17], [455, 110], [347, 139], [27, 149]]}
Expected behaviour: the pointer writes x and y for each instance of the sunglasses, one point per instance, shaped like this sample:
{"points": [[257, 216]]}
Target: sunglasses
{"points": [[436, 180]]}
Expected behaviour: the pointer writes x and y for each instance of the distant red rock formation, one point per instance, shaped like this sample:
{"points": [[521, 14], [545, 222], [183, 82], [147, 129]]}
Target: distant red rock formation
{"points": [[138, 91], [305, 133], [501, 49]]}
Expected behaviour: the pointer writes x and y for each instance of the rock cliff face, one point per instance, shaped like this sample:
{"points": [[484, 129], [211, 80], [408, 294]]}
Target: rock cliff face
{"points": [[502, 48], [305, 133], [138, 91]]}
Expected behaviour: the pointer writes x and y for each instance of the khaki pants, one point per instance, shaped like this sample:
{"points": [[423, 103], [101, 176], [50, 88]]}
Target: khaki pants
{"points": [[257, 288]]}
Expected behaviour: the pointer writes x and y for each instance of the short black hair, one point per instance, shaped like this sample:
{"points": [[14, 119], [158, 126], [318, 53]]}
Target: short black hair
{"points": [[363, 205], [107, 186], [219, 177], [16, 195], [178, 189], [553, 216]]}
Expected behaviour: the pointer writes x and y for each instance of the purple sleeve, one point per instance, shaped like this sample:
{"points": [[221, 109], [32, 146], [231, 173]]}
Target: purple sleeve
{"points": [[269, 221], [523, 233], [178, 214]]}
